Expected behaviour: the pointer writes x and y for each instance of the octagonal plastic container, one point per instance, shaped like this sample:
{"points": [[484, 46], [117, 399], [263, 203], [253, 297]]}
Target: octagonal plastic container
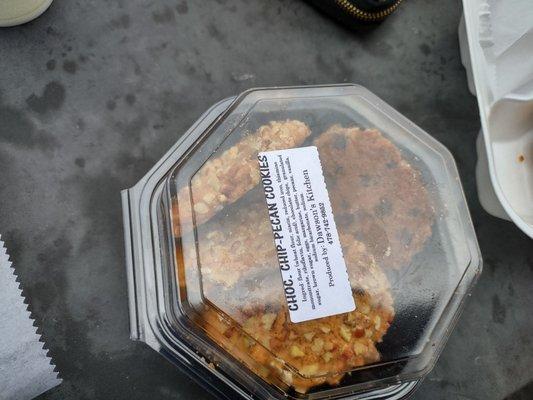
{"points": [[376, 239]]}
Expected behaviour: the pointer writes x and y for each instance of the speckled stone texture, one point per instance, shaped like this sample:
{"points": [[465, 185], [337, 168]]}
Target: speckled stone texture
{"points": [[94, 92]]}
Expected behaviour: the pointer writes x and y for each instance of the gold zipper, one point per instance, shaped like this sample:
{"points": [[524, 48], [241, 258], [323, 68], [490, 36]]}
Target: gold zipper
{"points": [[366, 15]]}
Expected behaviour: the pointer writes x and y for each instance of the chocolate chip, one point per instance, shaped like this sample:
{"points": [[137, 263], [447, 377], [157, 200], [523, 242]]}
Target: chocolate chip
{"points": [[406, 237], [346, 219], [366, 180], [414, 212], [383, 209], [339, 142]]}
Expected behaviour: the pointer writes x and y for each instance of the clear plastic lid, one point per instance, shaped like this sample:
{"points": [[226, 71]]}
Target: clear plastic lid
{"points": [[405, 250]]}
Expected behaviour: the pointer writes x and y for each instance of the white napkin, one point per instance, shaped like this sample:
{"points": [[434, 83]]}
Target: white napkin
{"points": [[25, 369]]}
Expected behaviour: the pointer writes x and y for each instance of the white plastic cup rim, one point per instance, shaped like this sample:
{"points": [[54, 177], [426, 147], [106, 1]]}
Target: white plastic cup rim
{"points": [[16, 12]]}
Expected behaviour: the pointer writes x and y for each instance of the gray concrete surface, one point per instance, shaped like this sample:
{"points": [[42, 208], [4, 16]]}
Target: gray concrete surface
{"points": [[94, 92]]}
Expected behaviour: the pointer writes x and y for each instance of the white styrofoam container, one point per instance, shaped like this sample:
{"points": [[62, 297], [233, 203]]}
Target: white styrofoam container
{"points": [[505, 144]]}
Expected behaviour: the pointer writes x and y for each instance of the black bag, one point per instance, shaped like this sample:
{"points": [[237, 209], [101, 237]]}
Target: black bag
{"points": [[357, 11]]}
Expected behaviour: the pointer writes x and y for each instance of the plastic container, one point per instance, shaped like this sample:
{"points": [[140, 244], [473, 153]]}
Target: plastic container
{"points": [[301, 243]]}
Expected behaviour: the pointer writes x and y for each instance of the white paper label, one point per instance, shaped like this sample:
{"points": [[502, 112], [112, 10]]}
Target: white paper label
{"points": [[310, 256]]}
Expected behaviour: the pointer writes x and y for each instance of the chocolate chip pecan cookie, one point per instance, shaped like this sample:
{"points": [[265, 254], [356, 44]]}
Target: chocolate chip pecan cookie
{"points": [[238, 264], [376, 194], [226, 178], [311, 353]]}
